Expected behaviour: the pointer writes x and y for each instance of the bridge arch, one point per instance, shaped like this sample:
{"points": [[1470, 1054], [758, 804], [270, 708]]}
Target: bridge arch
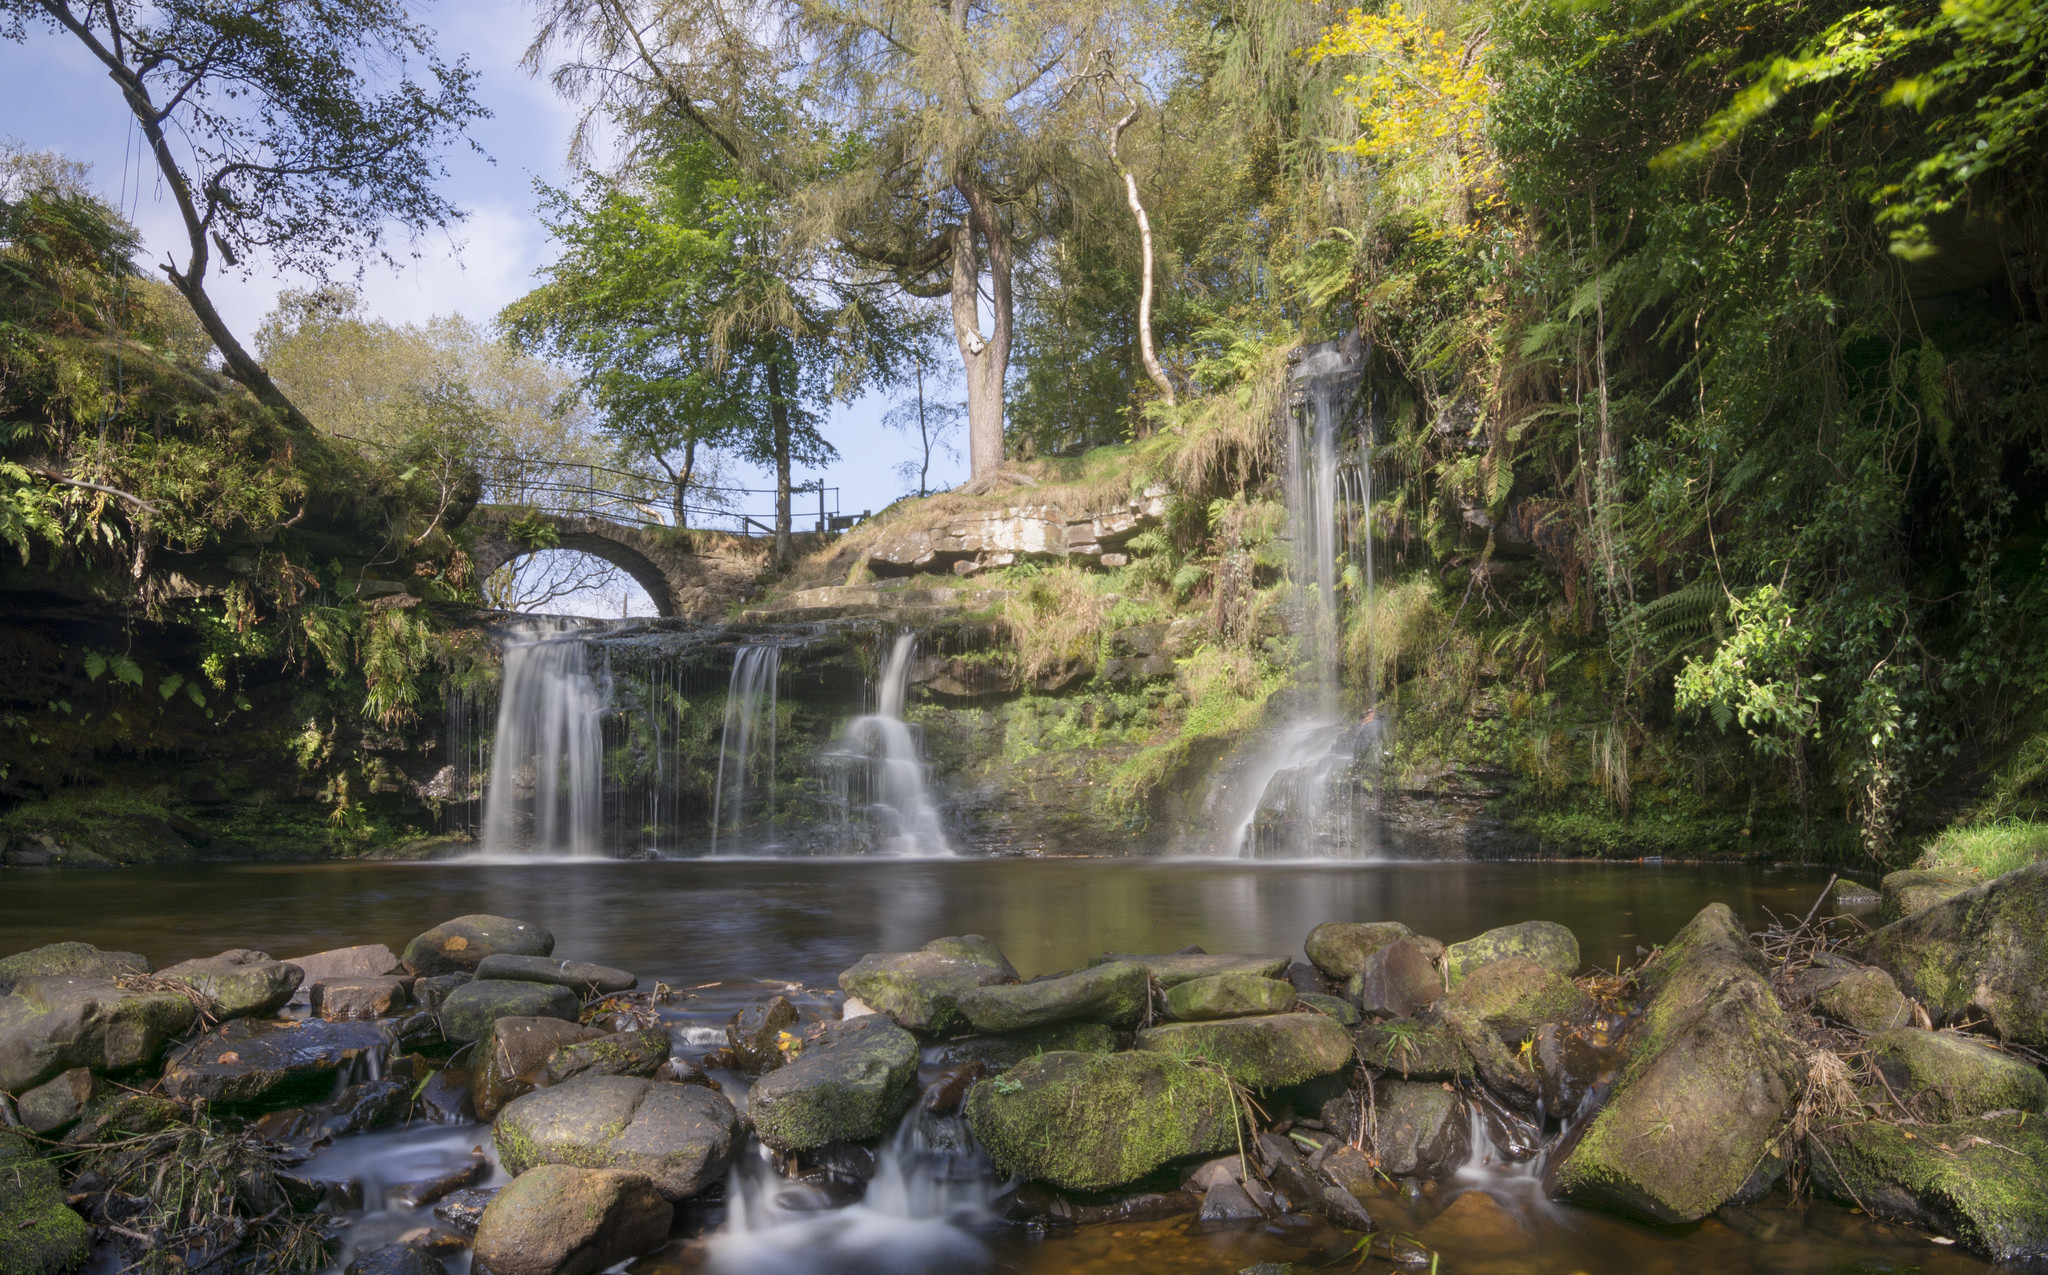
{"points": [[687, 574]]}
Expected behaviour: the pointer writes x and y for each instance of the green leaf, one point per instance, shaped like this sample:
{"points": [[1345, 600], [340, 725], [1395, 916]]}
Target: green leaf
{"points": [[169, 686], [95, 664]]}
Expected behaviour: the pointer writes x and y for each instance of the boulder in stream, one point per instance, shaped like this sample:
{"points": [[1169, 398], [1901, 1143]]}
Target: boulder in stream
{"points": [[1174, 968], [460, 945], [1259, 1053], [1413, 1049], [635, 1053], [54, 1106], [920, 989], [561, 1220], [513, 1057], [681, 1137], [240, 983], [1911, 890], [371, 960], [1515, 996], [38, 1234], [1088, 1122], [1945, 1077], [1229, 996], [1547, 943], [248, 1062], [1425, 1130], [1864, 999], [1340, 949], [1336, 1007], [362, 996], [469, 1011], [70, 960], [1000, 1053], [1116, 994], [1698, 1108], [583, 977], [1983, 952], [848, 1085], [755, 1034], [1982, 1182], [1399, 980], [52, 1024]]}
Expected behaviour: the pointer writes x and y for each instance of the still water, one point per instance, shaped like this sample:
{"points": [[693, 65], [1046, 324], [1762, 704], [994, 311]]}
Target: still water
{"points": [[728, 929]]}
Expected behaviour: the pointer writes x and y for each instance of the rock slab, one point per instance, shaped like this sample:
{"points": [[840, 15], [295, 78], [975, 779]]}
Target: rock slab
{"points": [[1088, 1122], [1982, 1182], [1115, 994], [249, 1062], [848, 1085], [52, 1024], [1229, 996], [469, 1011], [579, 976], [240, 983], [921, 989], [562, 1220], [460, 945], [681, 1137], [1261, 1053], [1983, 952]]}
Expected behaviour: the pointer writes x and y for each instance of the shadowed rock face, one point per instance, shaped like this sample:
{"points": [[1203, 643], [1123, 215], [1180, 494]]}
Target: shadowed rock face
{"points": [[1979, 953], [1983, 1181], [921, 989], [681, 1137], [50, 1025], [1087, 1122], [561, 1220], [1424, 1130]]}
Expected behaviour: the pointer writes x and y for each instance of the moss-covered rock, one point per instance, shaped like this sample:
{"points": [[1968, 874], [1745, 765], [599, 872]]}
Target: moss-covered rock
{"points": [[1413, 1049], [582, 977], [1515, 996], [472, 1008], [1116, 994], [1000, 1053], [1260, 1053], [38, 1234], [240, 983], [1400, 980], [562, 1220], [1950, 1077], [1547, 943], [50, 1025], [55, 1105], [1424, 1130], [1088, 1122], [1175, 968], [460, 945], [1903, 893], [1340, 949], [1982, 952], [1866, 999], [1981, 1182], [682, 1137], [920, 989], [1700, 1104], [1341, 1010], [72, 960], [636, 1053], [1229, 996], [848, 1085]]}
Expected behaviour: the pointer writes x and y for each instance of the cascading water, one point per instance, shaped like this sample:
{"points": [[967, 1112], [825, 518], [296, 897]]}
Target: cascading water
{"points": [[545, 794], [879, 774], [748, 731]]}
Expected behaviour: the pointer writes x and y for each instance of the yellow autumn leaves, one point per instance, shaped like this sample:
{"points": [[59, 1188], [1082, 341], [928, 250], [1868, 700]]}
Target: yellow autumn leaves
{"points": [[1421, 101]]}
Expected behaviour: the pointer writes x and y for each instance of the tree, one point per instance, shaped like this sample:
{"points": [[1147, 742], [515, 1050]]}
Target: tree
{"points": [[935, 425], [263, 121]]}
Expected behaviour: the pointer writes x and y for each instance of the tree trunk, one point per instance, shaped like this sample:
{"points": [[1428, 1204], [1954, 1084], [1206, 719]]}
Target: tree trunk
{"points": [[1146, 350], [683, 484], [778, 415], [985, 361]]}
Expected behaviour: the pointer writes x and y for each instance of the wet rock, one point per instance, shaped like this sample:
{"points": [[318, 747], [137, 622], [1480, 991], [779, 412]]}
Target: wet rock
{"points": [[1945, 1077], [1227, 1201], [1400, 979], [52, 1024], [1865, 999], [1228, 996], [1000, 1053], [920, 989], [1414, 1050], [1347, 1168], [1475, 1221], [1981, 1182], [1712, 1076], [248, 1062], [848, 1085], [582, 977], [754, 1034], [1424, 1129], [514, 1056], [1514, 996], [469, 1011], [1341, 1010], [1340, 949], [1502, 1069], [561, 1220], [1343, 1210], [1173, 969], [373, 1104], [372, 960], [1037, 1202], [429, 993], [38, 1234], [1514, 1138], [446, 1097], [1282, 1164], [634, 1053], [54, 1106], [1089, 1122], [1307, 978], [944, 1094], [396, 1259], [418, 1194], [1261, 1053], [460, 945], [1917, 889], [70, 960], [1567, 1067], [365, 996], [1547, 943], [1115, 993], [680, 1136], [240, 983], [1980, 953], [1854, 894], [462, 1210]]}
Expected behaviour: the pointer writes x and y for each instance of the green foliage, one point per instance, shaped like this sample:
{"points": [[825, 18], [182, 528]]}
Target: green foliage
{"points": [[1758, 676], [1992, 848]]}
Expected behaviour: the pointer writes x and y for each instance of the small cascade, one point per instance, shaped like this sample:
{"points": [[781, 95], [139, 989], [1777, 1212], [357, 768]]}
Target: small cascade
{"points": [[749, 731], [545, 794], [878, 773], [932, 1189]]}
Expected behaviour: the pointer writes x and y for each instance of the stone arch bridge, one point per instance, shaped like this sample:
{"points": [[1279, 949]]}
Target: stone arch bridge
{"points": [[690, 573]]}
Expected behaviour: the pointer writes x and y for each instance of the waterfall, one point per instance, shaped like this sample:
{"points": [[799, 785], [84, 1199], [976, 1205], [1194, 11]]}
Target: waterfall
{"points": [[545, 791], [879, 772], [749, 706]]}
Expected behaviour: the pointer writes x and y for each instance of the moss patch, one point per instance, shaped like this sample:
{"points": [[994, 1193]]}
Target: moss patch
{"points": [[38, 1234]]}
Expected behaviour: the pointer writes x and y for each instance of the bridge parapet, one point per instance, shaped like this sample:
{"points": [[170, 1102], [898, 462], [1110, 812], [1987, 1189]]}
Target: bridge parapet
{"points": [[689, 574]]}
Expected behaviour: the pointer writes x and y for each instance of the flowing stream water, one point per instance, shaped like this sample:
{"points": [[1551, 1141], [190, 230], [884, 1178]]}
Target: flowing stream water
{"points": [[881, 782]]}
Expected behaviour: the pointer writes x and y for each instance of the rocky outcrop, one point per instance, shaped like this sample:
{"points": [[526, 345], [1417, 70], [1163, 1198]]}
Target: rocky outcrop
{"points": [[1980, 953], [52, 1024], [920, 989], [1699, 1107], [963, 543], [561, 1220], [848, 1085], [681, 1137], [1424, 1130], [70, 960], [1087, 1122], [1340, 949], [1259, 1053], [472, 1008], [1229, 996], [1903, 893], [38, 1234], [1116, 993], [1545, 942], [239, 983], [1983, 1182]]}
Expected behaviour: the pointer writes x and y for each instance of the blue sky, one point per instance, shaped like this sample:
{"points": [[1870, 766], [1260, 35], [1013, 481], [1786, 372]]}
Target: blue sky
{"points": [[53, 95]]}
